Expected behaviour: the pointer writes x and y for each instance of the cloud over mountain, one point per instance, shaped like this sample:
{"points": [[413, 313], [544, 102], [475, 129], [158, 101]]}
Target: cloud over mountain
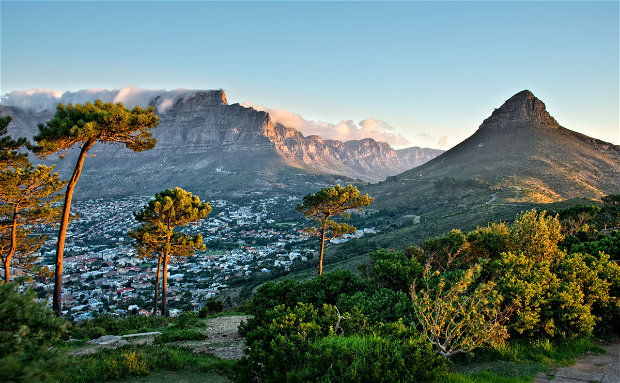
{"points": [[345, 130], [46, 99]]}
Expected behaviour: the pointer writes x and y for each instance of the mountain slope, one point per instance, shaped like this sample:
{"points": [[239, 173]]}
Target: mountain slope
{"points": [[521, 146], [524, 160]]}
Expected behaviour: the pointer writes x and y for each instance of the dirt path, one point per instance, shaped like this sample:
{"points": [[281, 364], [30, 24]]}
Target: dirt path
{"points": [[604, 368], [223, 340], [493, 198]]}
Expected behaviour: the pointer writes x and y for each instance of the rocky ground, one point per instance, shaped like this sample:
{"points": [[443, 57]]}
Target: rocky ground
{"points": [[221, 339], [589, 368]]}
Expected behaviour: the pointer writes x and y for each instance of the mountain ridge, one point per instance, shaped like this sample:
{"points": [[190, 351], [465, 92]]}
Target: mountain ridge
{"points": [[202, 132]]}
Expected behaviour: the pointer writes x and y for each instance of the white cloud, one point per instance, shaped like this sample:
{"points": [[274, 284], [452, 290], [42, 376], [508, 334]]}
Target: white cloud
{"points": [[130, 96], [344, 130], [441, 142]]}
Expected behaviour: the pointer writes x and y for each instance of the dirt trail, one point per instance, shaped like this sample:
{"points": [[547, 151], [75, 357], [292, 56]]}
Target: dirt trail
{"points": [[223, 340], [604, 368]]}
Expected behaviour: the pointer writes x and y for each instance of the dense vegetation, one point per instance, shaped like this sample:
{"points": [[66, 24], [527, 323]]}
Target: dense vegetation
{"points": [[529, 284]]}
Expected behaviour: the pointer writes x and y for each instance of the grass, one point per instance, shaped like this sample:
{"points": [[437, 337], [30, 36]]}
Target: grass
{"points": [[140, 360], [304, 275], [485, 377], [517, 361], [178, 335], [182, 376]]}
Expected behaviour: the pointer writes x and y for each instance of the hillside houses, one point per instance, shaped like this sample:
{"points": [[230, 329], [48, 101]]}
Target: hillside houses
{"points": [[103, 274]]}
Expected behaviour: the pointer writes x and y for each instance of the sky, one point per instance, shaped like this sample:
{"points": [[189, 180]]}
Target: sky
{"points": [[410, 73]]}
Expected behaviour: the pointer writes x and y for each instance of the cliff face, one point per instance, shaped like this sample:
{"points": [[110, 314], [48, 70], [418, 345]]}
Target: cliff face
{"points": [[521, 109], [201, 132]]}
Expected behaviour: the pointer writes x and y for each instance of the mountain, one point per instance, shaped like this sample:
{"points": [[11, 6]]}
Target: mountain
{"points": [[522, 147], [519, 159], [205, 144]]}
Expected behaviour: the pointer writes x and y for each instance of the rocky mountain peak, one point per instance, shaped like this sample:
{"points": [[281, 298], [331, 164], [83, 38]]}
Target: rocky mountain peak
{"points": [[193, 101], [521, 108], [206, 97]]}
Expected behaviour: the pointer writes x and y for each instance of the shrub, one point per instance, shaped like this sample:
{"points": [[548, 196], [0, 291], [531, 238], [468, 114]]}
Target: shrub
{"points": [[370, 359], [581, 242], [186, 320], [130, 363], [599, 280], [545, 304], [28, 332], [383, 305], [392, 270], [276, 348], [536, 236], [324, 289], [442, 252], [455, 314], [211, 307]]}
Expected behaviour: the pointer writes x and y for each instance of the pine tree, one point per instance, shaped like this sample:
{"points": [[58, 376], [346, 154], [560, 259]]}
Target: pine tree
{"points": [[26, 197], [84, 125], [330, 202], [157, 238], [9, 148]]}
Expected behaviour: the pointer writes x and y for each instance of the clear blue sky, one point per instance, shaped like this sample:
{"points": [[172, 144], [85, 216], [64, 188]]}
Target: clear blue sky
{"points": [[429, 69]]}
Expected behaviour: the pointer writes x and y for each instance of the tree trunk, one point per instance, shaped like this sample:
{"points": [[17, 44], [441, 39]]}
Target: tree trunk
{"points": [[157, 285], [321, 254], [7, 264], [9, 256], [164, 293], [64, 222]]}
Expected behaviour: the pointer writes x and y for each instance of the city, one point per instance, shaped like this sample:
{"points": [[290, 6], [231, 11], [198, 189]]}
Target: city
{"points": [[103, 274]]}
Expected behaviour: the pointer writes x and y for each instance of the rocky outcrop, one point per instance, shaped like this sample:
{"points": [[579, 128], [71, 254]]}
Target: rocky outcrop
{"points": [[521, 109]]}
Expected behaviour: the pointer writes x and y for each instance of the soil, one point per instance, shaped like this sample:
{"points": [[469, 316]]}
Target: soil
{"points": [[222, 340]]}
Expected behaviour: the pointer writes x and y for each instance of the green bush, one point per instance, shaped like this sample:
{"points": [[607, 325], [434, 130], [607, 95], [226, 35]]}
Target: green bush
{"points": [[325, 289], [370, 359], [211, 307], [177, 335], [581, 242], [276, 348], [186, 320], [28, 332], [545, 304], [392, 270], [383, 305]]}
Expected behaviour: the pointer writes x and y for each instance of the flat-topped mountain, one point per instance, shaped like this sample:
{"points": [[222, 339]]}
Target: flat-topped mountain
{"points": [[521, 146], [202, 140]]}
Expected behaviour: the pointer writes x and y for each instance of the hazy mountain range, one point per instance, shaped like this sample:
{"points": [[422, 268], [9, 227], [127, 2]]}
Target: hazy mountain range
{"points": [[205, 144]]}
